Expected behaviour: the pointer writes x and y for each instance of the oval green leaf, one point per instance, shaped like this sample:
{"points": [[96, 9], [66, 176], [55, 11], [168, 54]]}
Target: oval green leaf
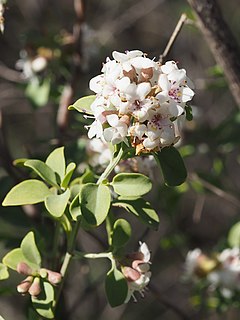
{"points": [[116, 288], [30, 250], [56, 204], [43, 303], [83, 104], [75, 209], [172, 165], [43, 170], [95, 202], [131, 184], [121, 233], [4, 274], [26, 192], [140, 208], [234, 235], [56, 161], [69, 171]]}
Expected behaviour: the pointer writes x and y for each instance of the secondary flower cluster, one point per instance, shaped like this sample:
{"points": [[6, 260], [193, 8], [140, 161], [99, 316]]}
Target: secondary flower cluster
{"points": [[222, 271], [136, 271], [139, 98]]}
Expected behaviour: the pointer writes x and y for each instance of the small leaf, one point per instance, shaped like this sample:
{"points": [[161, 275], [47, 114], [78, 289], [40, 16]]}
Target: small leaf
{"points": [[38, 92], [189, 115], [83, 104], [140, 208], [12, 258], [56, 161], [234, 235], [95, 202], [19, 162], [4, 274], [121, 233], [43, 303], [26, 192], [69, 171], [116, 288], [75, 209], [43, 170], [172, 166], [131, 184], [30, 250], [56, 204]]}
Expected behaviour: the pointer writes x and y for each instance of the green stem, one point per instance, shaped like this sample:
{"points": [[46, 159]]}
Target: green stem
{"points": [[111, 166], [81, 255], [55, 244]]}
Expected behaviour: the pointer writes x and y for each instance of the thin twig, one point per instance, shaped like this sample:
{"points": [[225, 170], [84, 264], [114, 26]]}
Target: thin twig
{"points": [[199, 204], [10, 75], [219, 192], [173, 37]]}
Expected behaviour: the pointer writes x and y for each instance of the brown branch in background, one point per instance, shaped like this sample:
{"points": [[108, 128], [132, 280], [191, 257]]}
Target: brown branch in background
{"points": [[217, 191], [173, 37], [69, 89], [9, 74], [220, 40]]}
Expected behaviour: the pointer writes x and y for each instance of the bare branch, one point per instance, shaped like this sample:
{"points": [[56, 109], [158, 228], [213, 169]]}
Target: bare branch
{"points": [[183, 19], [220, 40]]}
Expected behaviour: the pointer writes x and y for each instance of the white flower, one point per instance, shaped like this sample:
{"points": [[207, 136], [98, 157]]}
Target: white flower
{"points": [[138, 275], [192, 261], [99, 152], [118, 130]]}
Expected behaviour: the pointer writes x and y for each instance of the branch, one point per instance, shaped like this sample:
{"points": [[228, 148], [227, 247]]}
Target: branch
{"points": [[173, 37], [220, 40]]}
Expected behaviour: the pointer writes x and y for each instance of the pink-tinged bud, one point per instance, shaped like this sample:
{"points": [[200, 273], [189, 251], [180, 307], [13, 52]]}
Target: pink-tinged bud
{"points": [[125, 119], [35, 288], [23, 268], [141, 266], [54, 277], [24, 286], [130, 274]]}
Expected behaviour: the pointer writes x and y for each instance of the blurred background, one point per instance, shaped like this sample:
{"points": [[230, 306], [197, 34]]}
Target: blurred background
{"points": [[49, 51]]}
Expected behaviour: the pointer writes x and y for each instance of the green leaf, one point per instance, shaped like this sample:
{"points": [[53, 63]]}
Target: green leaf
{"points": [[56, 161], [19, 162], [26, 192], [95, 202], [43, 303], [69, 171], [30, 250], [43, 170], [234, 235], [75, 209], [121, 233], [131, 184], [172, 166], [56, 204], [189, 115], [12, 259], [66, 223], [83, 104], [140, 208], [1, 318], [38, 92], [4, 274], [116, 287]]}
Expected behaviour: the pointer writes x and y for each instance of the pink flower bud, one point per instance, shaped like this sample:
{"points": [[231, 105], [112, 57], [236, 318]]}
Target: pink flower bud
{"points": [[23, 268], [130, 274], [35, 288], [54, 277], [24, 286]]}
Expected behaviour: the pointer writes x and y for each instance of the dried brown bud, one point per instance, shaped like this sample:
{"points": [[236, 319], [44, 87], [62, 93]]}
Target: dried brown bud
{"points": [[23, 268]]}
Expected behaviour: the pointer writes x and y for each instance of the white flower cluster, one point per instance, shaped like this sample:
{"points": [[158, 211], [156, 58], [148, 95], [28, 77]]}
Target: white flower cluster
{"points": [[222, 272], [138, 274], [139, 98]]}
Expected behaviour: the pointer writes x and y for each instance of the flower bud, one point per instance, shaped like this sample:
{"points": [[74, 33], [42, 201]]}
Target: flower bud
{"points": [[35, 288], [43, 273], [24, 286], [23, 268], [54, 277], [130, 274]]}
